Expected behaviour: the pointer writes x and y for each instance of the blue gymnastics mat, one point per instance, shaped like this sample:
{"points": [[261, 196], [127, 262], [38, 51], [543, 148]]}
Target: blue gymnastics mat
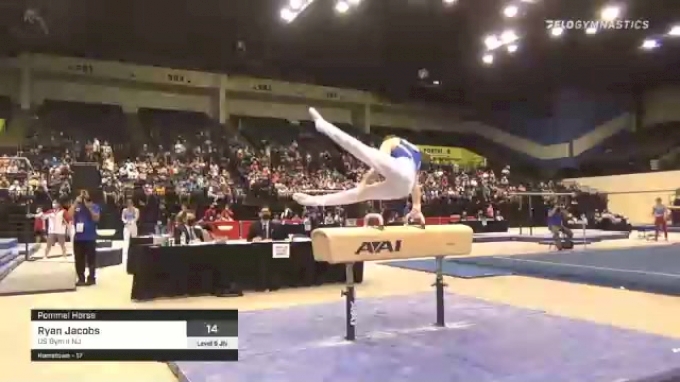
{"points": [[450, 268], [654, 269], [482, 342]]}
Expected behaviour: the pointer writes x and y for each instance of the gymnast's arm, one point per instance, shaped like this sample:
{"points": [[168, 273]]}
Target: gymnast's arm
{"points": [[416, 198]]}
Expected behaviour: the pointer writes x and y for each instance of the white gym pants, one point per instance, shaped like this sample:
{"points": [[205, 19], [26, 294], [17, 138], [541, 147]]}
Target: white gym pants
{"points": [[399, 173]]}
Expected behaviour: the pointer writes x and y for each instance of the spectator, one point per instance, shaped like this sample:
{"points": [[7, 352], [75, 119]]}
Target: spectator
{"points": [[56, 228], [130, 216]]}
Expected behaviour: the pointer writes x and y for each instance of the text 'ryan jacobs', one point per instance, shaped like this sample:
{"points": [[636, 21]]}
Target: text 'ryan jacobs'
{"points": [[68, 332]]}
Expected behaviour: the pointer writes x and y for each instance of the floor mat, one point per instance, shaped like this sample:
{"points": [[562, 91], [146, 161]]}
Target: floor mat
{"points": [[450, 268], [653, 269], [32, 277], [483, 342]]}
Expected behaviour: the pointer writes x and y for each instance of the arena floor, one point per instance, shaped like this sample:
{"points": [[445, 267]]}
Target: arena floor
{"points": [[643, 312]]}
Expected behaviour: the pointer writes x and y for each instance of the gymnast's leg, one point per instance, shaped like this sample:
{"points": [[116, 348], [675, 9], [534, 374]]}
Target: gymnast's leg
{"points": [[381, 162], [379, 191]]}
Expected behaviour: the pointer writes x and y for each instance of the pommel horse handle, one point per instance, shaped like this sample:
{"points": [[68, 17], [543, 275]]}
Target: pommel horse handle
{"points": [[374, 215]]}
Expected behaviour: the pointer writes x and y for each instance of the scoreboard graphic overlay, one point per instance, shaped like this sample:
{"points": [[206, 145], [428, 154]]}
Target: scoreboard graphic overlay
{"points": [[134, 335]]}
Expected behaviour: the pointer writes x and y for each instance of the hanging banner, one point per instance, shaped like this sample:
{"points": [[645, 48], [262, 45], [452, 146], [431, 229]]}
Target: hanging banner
{"points": [[451, 155]]}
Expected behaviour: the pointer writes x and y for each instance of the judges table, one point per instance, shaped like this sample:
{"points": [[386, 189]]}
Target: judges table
{"points": [[224, 269]]}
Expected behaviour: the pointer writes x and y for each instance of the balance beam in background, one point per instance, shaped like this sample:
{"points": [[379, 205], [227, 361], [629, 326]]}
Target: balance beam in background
{"points": [[353, 244]]}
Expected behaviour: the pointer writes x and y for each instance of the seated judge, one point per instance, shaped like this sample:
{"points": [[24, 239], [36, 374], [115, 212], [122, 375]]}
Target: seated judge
{"points": [[184, 232], [265, 228]]}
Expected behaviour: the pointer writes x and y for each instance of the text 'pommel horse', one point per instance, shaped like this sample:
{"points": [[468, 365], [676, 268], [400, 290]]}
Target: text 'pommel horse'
{"points": [[355, 244]]}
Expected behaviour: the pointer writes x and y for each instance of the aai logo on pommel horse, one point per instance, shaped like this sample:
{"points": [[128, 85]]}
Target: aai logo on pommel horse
{"points": [[374, 247]]}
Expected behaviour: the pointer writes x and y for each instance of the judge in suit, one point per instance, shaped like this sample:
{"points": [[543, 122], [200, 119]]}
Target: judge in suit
{"points": [[265, 228], [184, 232]]}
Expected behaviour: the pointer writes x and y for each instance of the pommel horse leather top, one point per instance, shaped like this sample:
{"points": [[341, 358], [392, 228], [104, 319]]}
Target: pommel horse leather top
{"points": [[355, 244]]}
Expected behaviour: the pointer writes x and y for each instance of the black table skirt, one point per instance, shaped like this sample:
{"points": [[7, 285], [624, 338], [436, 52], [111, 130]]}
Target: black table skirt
{"points": [[135, 246], [227, 269]]}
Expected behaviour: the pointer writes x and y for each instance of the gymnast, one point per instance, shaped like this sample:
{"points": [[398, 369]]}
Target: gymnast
{"points": [[397, 160]]}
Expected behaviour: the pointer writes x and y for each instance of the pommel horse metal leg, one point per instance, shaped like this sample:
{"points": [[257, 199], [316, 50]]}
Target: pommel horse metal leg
{"points": [[439, 292], [350, 292], [350, 308]]}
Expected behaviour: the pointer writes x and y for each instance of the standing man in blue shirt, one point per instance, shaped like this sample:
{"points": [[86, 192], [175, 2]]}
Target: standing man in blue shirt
{"points": [[557, 216], [85, 214]]}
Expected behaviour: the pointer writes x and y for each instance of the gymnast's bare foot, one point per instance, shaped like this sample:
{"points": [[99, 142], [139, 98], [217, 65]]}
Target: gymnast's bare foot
{"points": [[305, 200], [319, 122]]}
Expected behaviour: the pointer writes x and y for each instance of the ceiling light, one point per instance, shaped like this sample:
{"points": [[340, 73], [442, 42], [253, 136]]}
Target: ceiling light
{"points": [[341, 7], [674, 31], [449, 2], [487, 59], [591, 30], [509, 36], [287, 15], [556, 32], [510, 11], [354, 3], [610, 13], [650, 44], [512, 48], [295, 5], [492, 42]]}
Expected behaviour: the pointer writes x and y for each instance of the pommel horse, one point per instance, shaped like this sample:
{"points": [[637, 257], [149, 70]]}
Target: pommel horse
{"points": [[354, 244]]}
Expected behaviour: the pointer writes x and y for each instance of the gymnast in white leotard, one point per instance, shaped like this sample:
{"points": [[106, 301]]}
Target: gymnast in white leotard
{"points": [[397, 160]]}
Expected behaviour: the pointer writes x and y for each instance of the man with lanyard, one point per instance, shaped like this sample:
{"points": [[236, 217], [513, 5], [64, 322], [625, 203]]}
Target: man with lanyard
{"points": [[85, 215]]}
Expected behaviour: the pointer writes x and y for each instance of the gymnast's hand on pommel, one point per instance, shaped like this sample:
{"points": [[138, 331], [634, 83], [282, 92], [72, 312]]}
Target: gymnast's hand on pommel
{"points": [[415, 216]]}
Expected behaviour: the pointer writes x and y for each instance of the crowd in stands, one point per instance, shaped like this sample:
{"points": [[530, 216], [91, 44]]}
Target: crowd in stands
{"points": [[167, 160]]}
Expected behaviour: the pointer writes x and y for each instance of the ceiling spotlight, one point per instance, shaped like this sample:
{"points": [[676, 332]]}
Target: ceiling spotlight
{"points": [[591, 30], [510, 11], [341, 7], [449, 2], [492, 42], [295, 5], [512, 48], [509, 36], [435, 83], [650, 44], [354, 3], [287, 15], [487, 59], [674, 31], [610, 13], [556, 32]]}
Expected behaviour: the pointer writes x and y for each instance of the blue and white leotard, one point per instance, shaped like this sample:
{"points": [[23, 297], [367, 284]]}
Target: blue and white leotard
{"points": [[406, 149]]}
